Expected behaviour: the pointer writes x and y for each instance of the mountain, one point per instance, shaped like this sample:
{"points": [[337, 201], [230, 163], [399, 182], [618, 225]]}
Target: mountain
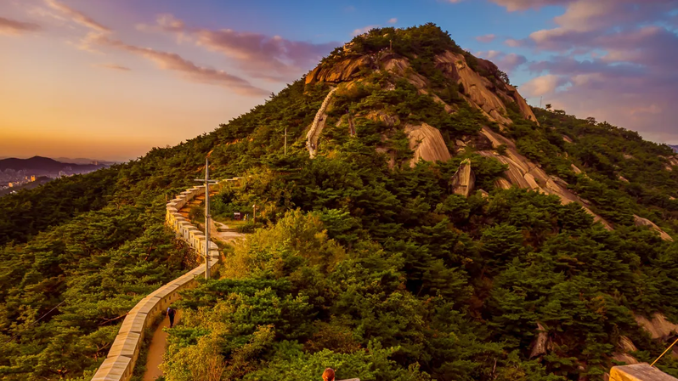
{"points": [[424, 223], [675, 148], [41, 165], [82, 160]]}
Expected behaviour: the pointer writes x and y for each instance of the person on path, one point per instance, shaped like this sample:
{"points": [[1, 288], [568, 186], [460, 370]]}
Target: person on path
{"points": [[171, 312], [328, 374]]}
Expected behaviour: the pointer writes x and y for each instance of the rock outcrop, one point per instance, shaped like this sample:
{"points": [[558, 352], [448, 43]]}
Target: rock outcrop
{"points": [[427, 143], [658, 327], [640, 221], [625, 347], [342, 71], [523, 173], [525, 109], [480, 91], [476, 87], [488, 96], [540, 345], [464, 180]]}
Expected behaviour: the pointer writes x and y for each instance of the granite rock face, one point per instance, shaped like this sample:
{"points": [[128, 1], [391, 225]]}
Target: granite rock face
{"points": [[524, 173], [657, 326], [640, 221], [427, 143], [464, 180], [485, 93]]}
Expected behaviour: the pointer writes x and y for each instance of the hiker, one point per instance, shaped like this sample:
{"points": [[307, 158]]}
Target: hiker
{"points": [[171, 312], [328, 374]]}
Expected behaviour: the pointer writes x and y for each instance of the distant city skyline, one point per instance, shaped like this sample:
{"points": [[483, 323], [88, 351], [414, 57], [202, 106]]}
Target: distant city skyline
{"points": [[112, 79]]}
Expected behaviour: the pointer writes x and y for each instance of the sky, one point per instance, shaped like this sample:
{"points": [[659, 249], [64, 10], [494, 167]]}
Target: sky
{"points": [[110, 79]]}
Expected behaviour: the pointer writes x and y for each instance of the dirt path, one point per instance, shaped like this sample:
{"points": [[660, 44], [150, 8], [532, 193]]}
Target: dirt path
{"points": [[223, 236], [157, 349]]}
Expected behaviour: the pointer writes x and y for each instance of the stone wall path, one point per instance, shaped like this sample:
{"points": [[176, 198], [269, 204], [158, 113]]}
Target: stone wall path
{"points": [[158, 345]]}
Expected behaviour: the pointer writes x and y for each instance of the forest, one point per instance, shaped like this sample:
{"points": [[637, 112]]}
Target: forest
{"points": [[375, 268]]}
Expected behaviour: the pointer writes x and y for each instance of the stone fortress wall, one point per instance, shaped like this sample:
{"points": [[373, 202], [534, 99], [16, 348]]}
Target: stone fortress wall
{"points": [[121, 358]]}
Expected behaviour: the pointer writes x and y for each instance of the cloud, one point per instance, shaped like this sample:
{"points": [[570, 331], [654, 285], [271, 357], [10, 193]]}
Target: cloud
{"points": [[272, 58], [505, 62], [612, 61], [76, 16], [364, 29], [393, 20], [13, 27], [486, 38], [100, 36], [520, 5], [513, 43], [191, 71], [511, 61], [114, 67], [546, 84]]}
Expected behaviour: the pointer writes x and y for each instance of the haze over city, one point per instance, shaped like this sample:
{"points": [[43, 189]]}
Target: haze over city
{"points": [[112, 79]]}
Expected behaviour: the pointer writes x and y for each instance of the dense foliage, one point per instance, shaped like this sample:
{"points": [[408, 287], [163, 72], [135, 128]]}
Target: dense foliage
{"points": [[366, 264]]}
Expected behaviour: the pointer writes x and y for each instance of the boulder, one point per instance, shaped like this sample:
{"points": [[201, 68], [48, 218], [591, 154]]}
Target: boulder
{"points": [[463, 181], [427, 143]]}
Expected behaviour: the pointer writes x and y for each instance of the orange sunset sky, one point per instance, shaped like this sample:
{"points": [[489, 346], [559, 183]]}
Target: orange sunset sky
{"points": [[110, 79]]}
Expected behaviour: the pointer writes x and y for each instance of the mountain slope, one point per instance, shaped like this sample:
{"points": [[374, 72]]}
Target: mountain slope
{"points": [[372, 261]]}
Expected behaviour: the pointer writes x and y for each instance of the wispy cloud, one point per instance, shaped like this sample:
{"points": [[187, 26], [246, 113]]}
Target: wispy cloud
{"points": [[393, 20], [486, 38], [14, 27], [76, 16], [272, 58], [100, 37], [520, 5], [189, 70], [114, 67]]}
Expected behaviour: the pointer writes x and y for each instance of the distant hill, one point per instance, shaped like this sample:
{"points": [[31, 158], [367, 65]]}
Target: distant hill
{"points": [[675, 148], [40, 165], [82, 160]]}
